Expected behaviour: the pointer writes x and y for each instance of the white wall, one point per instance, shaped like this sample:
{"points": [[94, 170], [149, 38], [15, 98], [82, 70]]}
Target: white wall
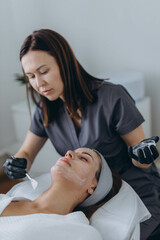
{"points": [[9, 91], [106, 35]]}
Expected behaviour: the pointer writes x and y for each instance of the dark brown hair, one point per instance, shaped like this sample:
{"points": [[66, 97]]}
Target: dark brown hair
{"points": [[77, 82], [117, 183]]}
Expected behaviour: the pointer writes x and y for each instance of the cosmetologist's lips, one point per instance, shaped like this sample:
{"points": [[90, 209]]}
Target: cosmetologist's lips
{"points": [[45, 91]]}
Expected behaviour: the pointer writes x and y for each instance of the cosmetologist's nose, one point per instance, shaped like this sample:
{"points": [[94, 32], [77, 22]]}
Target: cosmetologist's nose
{"points": [[39, 82]]}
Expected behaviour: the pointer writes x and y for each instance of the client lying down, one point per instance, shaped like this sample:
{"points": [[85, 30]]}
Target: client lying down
{"points": [[81, 182]]}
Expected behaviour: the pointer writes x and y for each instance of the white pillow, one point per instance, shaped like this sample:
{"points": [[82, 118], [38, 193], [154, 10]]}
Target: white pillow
{"points": [[118, 218]]}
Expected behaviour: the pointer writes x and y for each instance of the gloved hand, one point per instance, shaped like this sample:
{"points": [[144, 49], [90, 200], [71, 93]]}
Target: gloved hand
{"points": [[14, 168], [145, 151]]}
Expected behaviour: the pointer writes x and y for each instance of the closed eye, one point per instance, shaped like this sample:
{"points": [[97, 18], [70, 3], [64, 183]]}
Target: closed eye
{"points": [[45, 72], [85, 156], [84, 159]]}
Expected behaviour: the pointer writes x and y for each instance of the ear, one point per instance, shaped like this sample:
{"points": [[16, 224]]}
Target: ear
{"points": [[92, 188]]}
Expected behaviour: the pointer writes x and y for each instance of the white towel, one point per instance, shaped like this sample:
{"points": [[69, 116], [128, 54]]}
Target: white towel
{"points": [[45, 226]]}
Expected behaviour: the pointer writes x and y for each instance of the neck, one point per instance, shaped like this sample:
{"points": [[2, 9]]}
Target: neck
{"points": [[57, 199]]}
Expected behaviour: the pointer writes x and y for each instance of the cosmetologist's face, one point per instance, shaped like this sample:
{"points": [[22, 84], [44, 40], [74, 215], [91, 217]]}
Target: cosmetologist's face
{"points": [[43, 73]]}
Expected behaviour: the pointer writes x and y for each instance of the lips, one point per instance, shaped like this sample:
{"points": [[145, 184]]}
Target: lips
{"points": [[44, 91], [66, 161]]}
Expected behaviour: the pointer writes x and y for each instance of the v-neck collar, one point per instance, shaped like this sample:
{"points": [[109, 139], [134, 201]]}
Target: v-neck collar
{"points": [[72, 128]]}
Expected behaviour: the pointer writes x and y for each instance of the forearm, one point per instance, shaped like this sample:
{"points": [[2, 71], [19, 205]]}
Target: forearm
{"points": [[30, 148], [133, 138], [139, 165], [23, 154]]}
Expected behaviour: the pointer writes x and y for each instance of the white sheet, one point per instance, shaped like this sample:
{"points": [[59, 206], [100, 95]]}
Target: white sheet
{"points": [[46, 226]]}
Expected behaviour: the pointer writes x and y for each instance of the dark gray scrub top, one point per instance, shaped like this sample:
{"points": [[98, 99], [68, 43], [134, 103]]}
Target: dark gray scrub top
{"points": [[103, 122], [112, 115]]}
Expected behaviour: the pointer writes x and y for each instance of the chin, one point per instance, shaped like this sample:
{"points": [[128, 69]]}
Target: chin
{"points": [[51, 98]]}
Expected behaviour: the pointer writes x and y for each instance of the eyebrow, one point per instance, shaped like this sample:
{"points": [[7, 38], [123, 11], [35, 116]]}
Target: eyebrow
{"points": [[44, 65], [88, 154]]}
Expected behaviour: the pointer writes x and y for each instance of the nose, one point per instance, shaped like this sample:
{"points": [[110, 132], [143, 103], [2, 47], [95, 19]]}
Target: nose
{"points": [[39, 81], [70, 154]]}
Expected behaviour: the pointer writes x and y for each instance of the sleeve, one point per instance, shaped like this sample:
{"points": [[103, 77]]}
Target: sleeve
{"points": [[37, 126], [125, 115]]}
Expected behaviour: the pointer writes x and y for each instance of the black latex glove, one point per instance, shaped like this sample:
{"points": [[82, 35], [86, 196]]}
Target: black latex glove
{"points": [[14, 168], [145, 151]]}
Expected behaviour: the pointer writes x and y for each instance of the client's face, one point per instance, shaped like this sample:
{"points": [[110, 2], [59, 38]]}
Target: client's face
{"points": [[79, 167]]}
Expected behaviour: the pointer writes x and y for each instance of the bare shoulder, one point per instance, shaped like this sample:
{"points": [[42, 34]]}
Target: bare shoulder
{"points": [[18, 208]]}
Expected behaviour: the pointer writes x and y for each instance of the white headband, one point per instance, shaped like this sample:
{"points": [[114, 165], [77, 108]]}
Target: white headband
{"points": [[104, 184]]}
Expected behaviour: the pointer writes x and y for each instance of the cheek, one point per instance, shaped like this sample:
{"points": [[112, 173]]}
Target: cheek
{"points": [[58, 81], [33, 84], [60, 86], [86, 173], [62, 172]]}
